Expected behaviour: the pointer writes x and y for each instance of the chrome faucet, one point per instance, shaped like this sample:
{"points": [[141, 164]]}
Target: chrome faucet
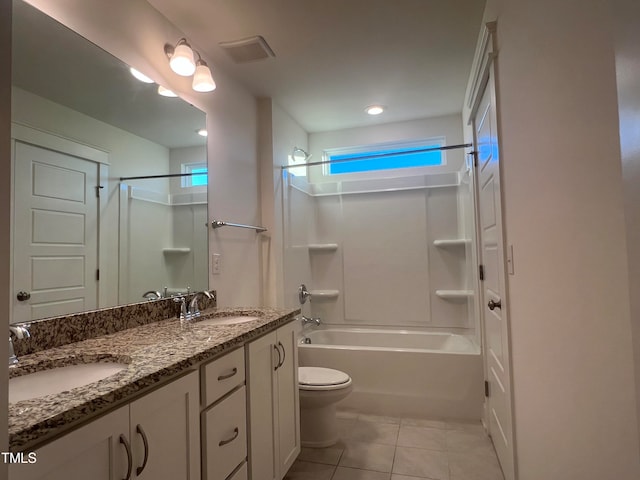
{"points": [[19, 331], [194, 311], [183, 313], [306, 320]]}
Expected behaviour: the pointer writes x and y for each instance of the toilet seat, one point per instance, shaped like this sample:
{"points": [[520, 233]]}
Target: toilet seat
{"points": [[319, 378]]}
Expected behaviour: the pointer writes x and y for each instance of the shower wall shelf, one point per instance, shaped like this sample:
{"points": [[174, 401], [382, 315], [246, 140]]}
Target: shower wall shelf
{"points": [[455, 242], [324, 294], [323, 247], [176, 250], [454, 295]]}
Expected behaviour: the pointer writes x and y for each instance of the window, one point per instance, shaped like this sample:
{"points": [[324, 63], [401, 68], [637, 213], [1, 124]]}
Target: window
{"points": [[198, 177], [386, 157]]}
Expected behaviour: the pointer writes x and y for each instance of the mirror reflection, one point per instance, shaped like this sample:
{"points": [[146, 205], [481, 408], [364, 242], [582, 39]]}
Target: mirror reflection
{"points": [[88, 232]]}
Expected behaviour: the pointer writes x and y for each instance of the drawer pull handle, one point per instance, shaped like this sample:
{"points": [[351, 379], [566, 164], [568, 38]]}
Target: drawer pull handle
{"points": [[279, 358], [284, 354], [228, 375], [127, 447], [146, 449], [236, 432]]}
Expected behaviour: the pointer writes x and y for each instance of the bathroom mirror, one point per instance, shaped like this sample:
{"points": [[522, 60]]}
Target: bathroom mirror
{"points": [[82, 237]]}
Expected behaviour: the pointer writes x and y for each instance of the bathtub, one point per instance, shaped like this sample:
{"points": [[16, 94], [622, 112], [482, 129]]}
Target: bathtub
{"points": [[401, 372]]}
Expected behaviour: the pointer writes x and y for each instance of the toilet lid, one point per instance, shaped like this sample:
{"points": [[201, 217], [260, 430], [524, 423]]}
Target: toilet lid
{"points": [[319, 376]]}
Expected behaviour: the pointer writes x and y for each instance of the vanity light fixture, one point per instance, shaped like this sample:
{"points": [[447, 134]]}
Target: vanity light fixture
{"points": [[181, 58], [165, 92], [140, 76], [182, 61], [374, 109], [202, 132], [202, 79]]}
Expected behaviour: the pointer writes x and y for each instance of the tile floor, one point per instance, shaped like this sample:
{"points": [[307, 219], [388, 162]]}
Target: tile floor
{"points": [[386, 448]]}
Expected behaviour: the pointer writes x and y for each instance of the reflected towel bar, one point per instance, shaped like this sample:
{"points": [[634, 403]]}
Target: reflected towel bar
{"points": [[220, 223]]}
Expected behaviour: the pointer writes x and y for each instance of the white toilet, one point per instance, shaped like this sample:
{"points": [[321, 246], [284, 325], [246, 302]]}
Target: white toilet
{"points": [[320, 390]]}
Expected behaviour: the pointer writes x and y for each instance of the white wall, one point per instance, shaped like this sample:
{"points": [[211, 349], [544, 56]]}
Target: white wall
{"points": [[135, 32], [572, 362], [627, 37], [5, 199], [279, 134]]}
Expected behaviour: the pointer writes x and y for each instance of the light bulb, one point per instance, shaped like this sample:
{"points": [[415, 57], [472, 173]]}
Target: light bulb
{"points": [[182, 61], [202, 79], [374, 109], [202, 132]]}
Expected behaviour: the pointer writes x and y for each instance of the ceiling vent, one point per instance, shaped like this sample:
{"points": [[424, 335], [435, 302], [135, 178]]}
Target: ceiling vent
{"points": [[248, 49]]}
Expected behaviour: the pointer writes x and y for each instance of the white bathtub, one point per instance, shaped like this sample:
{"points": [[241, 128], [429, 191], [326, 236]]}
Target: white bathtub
{"points": [[402, 372]]}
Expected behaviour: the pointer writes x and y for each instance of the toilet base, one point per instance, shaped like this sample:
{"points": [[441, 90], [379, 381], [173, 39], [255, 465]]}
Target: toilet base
{"points": [[318, 426]]}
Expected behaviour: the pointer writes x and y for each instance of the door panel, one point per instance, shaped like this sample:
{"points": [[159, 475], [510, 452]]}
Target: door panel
{"points": [[55, 233], [496, 331]]}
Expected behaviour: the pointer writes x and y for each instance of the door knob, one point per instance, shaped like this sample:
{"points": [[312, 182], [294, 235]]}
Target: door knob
{"points": [[492, 305], [23, 296]]}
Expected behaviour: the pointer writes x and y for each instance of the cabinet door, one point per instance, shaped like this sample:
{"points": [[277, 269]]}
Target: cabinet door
{"points": [[169, 419], [262, 360], [90, 452], [288, 397]]}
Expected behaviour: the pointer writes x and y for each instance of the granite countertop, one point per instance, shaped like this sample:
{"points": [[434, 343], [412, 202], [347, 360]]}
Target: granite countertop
{"points": [[154, 352]]}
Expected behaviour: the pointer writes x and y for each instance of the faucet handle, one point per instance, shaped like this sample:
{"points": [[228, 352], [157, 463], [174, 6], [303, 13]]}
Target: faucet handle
{"points": [[182, 312], [20, 331]]}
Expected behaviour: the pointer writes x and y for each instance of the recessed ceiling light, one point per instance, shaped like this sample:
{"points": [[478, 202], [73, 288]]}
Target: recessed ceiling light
{"points": [[202, 132], [140, 76], [165, 92], [374, 109]]}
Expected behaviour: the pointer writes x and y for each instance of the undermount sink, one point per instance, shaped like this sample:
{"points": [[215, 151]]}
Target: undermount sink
{"points": [[227, 320], [60, 379]]}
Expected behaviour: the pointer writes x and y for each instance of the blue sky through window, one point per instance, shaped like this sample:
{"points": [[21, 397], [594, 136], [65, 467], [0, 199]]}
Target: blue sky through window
{"points": [[404, 159], [199, 177]]}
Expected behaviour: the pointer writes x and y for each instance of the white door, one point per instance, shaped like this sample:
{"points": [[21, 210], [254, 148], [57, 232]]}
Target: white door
{"points": [[492, 295], [55, 233]]}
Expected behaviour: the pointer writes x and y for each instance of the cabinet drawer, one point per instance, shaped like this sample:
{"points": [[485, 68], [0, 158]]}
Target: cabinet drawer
{"points": [[225, 436], [222, 375]]}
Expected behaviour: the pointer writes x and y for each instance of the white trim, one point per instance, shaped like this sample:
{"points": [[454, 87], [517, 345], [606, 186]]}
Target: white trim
{"points": [[51, 141], [486, 52]]}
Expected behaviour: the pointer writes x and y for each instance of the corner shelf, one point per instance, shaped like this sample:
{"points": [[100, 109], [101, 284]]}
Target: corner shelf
{"points": [[324, 294], [176, 250], [322, 247], [454, 242], [454, 295]]}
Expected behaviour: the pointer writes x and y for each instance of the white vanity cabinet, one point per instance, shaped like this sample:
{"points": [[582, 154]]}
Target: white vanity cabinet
{"points": [[224, 418], [154, 437], [274, 408]]}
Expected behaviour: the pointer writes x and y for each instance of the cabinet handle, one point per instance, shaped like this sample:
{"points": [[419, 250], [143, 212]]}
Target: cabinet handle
{"points": [[127, 447], [228, 375], [146, 449], [284, 354], [279, 357], [236, 432]]}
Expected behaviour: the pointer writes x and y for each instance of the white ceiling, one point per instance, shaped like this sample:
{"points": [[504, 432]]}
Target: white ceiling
{"points": [[334, 57]]}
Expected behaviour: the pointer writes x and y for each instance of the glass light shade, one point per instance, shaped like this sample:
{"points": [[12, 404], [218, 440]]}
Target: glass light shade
{"points": [[140, 76], [202, 132], [202, 79], [165, 92], [182, 61]]}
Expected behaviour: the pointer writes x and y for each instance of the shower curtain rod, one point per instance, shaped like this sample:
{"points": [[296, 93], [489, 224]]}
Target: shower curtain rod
{"points": [[379, 155], [166, 175]]}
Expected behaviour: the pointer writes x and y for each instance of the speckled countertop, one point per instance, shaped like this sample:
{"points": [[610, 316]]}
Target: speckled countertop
{"points": [[154, 352]]}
